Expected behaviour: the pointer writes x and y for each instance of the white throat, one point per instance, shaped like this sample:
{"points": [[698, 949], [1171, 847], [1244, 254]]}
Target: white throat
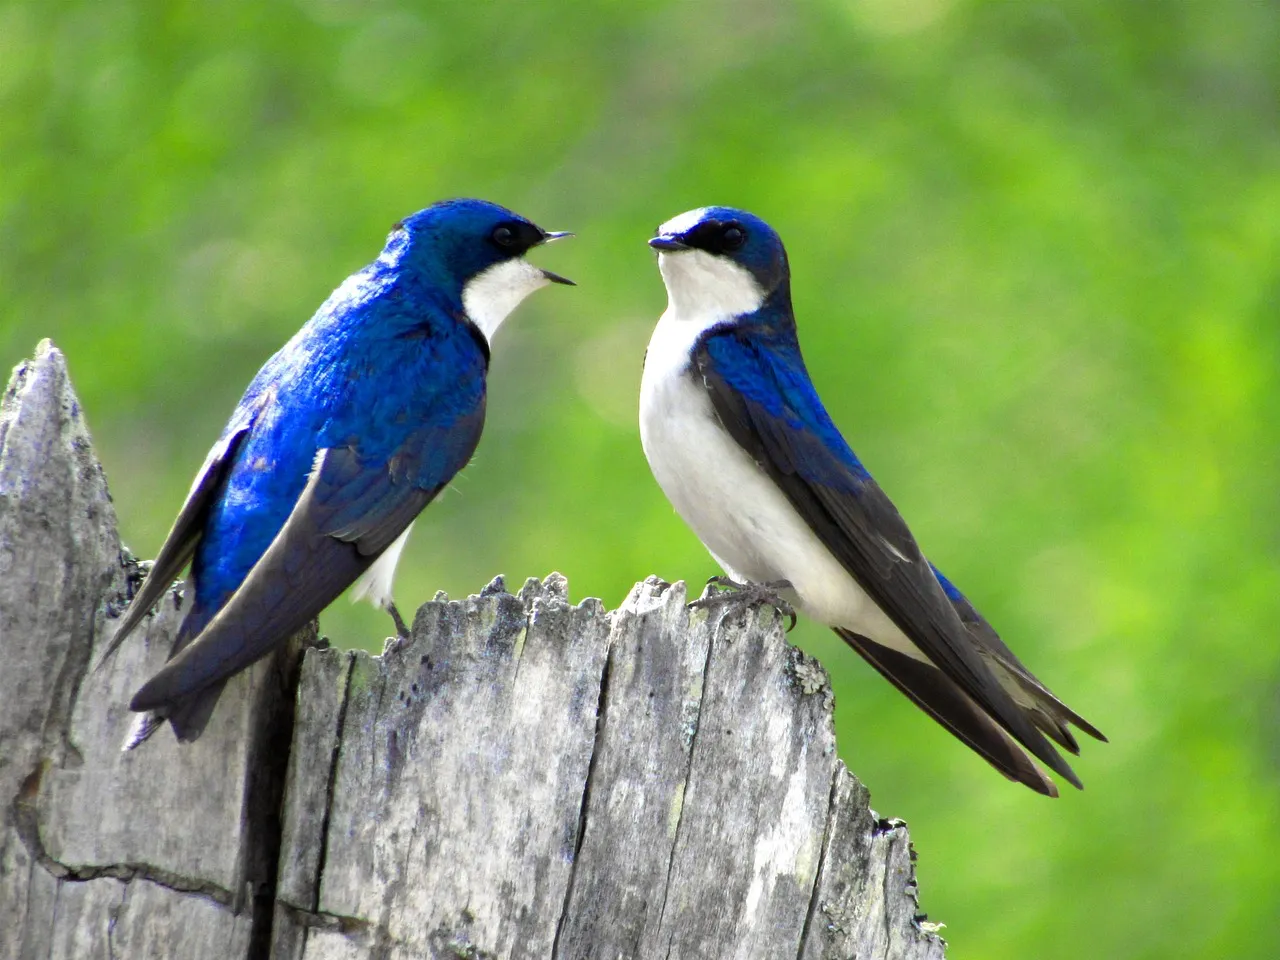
{"points": [[491, 295], [707, 289]]}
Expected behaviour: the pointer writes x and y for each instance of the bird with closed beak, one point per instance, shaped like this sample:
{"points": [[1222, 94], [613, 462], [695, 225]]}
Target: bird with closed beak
{"points": [[744, 449]]}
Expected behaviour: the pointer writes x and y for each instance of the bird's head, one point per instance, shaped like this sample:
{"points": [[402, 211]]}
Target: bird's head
{"points": [[474, 250], [718, 260]]}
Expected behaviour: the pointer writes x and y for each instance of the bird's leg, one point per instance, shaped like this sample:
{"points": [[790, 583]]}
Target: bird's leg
{"points": [[401, 630], [731, 591]]}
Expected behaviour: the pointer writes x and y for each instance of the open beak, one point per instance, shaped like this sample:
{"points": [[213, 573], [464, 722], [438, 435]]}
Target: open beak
{"points": [[555, 277], [667, 243]]}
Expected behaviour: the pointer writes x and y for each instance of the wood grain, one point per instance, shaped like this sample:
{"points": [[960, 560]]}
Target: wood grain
{"points": [[523, 777]]}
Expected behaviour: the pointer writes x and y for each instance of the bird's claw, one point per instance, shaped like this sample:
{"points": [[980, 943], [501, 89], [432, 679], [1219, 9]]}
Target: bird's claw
{"points": [[732, 591], [402, 630]]}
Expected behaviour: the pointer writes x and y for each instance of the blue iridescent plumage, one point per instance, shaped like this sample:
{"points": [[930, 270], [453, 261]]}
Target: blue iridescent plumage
{"points": [[760, 360], [337, 444]]}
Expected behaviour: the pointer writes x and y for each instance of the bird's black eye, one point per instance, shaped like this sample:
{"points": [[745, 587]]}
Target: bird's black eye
{"points": [[733, 237], [503, 236]]}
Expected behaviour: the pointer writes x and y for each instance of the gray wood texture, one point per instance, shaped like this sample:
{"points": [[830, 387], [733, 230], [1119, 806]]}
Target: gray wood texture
{"points": [[522, 777]]}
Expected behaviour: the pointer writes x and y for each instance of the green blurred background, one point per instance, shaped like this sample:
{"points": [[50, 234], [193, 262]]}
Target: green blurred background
{"points": [[1036, 256]]}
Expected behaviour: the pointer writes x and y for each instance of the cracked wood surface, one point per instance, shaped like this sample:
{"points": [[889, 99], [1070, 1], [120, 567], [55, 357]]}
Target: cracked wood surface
{"points": [[98, 847], [521, 777]]}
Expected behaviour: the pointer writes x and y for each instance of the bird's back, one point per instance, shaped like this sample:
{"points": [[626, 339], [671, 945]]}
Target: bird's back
{"points": [[366, 371]]}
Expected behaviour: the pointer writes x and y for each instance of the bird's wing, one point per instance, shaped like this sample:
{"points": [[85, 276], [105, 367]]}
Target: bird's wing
{"points": [[180, 545], [350, 511], [930, 689], [1047, 712], [763, 396]]}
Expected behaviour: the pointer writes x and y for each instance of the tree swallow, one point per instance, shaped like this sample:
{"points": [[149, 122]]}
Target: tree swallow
{"points": [[342, 438], [742, 446]]}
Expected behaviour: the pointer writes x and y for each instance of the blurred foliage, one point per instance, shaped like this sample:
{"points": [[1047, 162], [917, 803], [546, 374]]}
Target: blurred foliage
{"points": [[1036, 253]]}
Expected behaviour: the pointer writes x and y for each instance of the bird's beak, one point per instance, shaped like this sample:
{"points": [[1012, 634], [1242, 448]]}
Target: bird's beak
{"points": [[667, 243], [556, 278]]}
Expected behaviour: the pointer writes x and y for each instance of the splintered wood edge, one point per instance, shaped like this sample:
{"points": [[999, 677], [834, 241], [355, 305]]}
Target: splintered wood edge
{"points": [[862, 897]]}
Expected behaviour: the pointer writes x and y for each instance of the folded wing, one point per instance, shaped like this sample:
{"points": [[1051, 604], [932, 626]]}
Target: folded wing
{"points": [[761, 392], [351, 510], [180, 545]]}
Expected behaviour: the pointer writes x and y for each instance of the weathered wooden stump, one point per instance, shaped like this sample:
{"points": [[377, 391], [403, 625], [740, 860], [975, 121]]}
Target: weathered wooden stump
{"points": [[522, 778]]}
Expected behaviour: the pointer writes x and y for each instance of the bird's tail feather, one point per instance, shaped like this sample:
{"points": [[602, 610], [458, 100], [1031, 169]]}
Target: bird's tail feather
{"points": [[187, 715], [1053, 717], [931, 690], [1050, 715]]}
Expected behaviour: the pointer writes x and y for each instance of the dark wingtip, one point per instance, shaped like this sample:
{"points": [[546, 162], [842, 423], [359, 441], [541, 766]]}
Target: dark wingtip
{"points": [[132, 617], [931, 690], [146, 699], [1029, 775], [1086, 727], [188, 718], [1069, 775], [156, 693], [1069, 743], [1045, 787], [1077, 721], [102, 660]]}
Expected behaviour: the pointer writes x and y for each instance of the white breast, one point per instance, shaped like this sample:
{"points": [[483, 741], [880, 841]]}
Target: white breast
{"points": [[491, 295], [731, 504]]}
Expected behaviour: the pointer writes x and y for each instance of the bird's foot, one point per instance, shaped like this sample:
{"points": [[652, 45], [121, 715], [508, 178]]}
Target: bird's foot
{"points": [[402, 630], [748, 594]]}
